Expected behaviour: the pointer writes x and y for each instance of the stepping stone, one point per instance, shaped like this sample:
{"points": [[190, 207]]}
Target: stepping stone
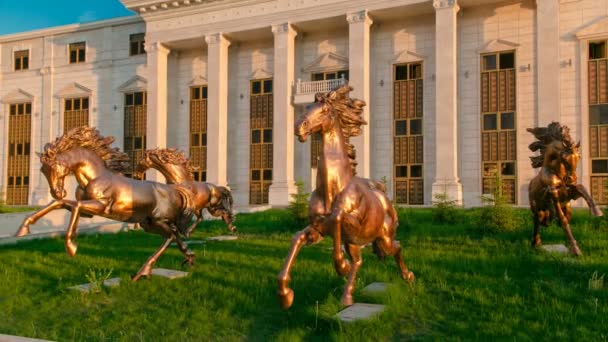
{"points": [[10, 338], [556, 249], [167, 273], [113, 282], [360, 311], [223, 238], [191, 242], [375, 288]]}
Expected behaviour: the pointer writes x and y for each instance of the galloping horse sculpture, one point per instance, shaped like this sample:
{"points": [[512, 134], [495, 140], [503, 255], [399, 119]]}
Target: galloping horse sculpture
{"points": [[354, 211], [162, 209], [176, 169], [556, 184]]}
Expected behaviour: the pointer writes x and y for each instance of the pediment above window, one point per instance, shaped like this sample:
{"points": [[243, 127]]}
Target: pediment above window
{"points": [[135, 83], [18, 96], [260, 73], [327, 62], [596, 29], [198, 80], [497, 45], [406, 56], [74, 90]]}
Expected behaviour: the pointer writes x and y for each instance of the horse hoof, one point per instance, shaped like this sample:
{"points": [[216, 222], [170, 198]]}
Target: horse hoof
{"points": [[71, 248], [536, 243], [597, 212], [23, 231], [347, 300], [576, 251], [409, 277], [286, 298]]}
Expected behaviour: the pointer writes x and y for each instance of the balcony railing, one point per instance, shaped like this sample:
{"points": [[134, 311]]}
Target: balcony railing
{"points": [[313, 87]]}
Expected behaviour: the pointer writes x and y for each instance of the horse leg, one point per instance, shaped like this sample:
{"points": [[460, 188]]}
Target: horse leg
{"points": [[590, 202], [188, 254], [565, 224], [341, 265], [354, 252], [146, 269], [90, 207], [199, 218], [24, 229], [391, 247], [309, 236], [536, 241]]}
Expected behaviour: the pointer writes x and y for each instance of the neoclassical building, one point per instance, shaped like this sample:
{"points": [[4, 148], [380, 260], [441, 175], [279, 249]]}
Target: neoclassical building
{"points": [[451, 86]]}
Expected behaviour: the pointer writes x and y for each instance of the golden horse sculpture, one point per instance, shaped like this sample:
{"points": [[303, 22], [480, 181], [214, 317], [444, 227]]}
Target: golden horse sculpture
{"points": [[176, 169], [354, 211], [163, 209], [556, 184]]}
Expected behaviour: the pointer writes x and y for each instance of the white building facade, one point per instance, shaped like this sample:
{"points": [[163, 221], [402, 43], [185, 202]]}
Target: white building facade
{"points": [[451, 86]]}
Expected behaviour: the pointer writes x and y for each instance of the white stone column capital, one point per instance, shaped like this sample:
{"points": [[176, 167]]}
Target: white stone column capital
{"points": [[446, 4], [359, 17], [284, 28], [217, 38], [156, 47]]}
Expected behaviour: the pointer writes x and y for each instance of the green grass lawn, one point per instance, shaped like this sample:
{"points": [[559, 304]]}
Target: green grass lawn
{"points": [[468, 287]]}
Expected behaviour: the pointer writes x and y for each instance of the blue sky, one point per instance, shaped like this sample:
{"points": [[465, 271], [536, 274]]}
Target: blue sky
{"points": [[26, 15]]}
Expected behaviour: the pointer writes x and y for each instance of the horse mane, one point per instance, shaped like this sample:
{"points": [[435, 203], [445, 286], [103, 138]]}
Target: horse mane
{"points": [[349, 112], [91, 139], [547, 135], [172, 156]]}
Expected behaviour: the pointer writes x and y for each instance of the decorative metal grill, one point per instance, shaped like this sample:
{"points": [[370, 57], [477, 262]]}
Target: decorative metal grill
{"points": [[135, 127], [75, 113], [198, 131], [407, 136], [260, 157], [598, 120], [18, 166], [498, 123]]}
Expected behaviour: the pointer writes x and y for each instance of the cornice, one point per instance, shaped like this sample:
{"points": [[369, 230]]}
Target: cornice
{"points": [[284, 28], [442, 4], [216, 38], [359, 17], [156, 47], [162, 9]]}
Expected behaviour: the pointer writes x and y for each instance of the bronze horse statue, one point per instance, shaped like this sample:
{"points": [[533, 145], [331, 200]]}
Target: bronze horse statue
{"points": [[177, 169], [163, 209], [556, 184], [354, 211]]}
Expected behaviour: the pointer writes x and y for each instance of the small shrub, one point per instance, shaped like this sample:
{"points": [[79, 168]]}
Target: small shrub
{"points": [[298, 206], [497, 215], [96, 277], [596, 282], [445, 210]]}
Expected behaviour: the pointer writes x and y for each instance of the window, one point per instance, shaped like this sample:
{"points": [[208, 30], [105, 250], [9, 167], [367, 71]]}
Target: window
{"points": [[135, 112], [77, 52], [598, 120], [198, 131], [75, 113], [22, 60], [408, 133], [332, 75], [260, 153], [19, 150], [498, 123], [136, 44]]}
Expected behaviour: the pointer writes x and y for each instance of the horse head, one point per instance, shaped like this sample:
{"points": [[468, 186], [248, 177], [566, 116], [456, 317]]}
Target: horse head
{"points": [[55, 172]]}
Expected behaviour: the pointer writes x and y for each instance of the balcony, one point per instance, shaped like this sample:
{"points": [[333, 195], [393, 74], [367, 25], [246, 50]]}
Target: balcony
{"points": [[304, 92]]}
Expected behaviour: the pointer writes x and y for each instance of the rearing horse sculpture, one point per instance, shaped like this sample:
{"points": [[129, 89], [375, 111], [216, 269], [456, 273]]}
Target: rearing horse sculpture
{"points": [[556, 184], [176, 169], [354, 211], [163, 209]]}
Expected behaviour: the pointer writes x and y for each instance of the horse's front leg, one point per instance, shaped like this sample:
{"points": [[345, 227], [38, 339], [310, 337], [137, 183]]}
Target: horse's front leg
{"points": [[146, 269], [24, 229], [354, 252], [199, 218], [92, 207], [564, 223], [309, 236], [341, 265], [580, 188]]}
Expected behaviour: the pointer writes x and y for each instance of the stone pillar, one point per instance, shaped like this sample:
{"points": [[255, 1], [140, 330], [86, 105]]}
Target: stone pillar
{"points": [[156, 125], [217, 108], [47, 116], [547, 61], [446, 179], [283, 184], [359, 65]]}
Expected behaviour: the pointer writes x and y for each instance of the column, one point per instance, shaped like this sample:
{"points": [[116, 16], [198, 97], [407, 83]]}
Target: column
{"points": [[217, 108], [156, 125], [446, 179], [47, 116], [359, 65], [547, 63], [283, 184]]}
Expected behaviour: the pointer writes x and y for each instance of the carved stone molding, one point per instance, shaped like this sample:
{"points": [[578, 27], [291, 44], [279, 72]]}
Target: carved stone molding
{"points": [[216, 38], [198, 80], [284, 28], [135, 83], [441, 4], [359, 17], [73, 90], [156, 47], [18, 95], [47, 70]]}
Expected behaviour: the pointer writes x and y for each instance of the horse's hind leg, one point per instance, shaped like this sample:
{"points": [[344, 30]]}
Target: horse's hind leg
{"points": [[538, 217], [565, 224], [354, 252], [24, 229], [188, 254], [392, 247], [146, 269]]}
